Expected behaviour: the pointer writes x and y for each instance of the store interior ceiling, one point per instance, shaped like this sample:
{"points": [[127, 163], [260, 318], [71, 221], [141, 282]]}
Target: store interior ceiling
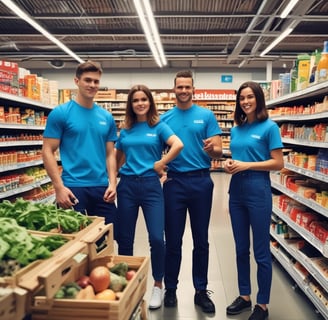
{"points": [[195, 34]]}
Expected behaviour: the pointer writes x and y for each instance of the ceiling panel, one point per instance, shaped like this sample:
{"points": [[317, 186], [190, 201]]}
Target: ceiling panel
{"points": [[193, 32]]}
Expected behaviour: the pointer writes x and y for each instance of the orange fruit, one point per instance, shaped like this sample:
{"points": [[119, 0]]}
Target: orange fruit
{"points": [[106, 294]]}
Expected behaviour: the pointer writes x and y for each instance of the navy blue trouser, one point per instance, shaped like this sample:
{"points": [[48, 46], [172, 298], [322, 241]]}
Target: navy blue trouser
{"points": [[145, 192], [192, 193], [250, 205], [91, 202]]}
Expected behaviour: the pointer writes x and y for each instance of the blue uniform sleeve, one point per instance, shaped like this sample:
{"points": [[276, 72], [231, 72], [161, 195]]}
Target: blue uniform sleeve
{"points": [[54, 126]]}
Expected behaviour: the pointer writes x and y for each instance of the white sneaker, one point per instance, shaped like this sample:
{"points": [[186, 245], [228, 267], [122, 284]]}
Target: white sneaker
{"points": [[156, 298]]}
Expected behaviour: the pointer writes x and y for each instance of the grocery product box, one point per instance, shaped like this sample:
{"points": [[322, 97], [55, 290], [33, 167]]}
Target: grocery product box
{"points": [[64, 95], [9, 77], [45, 306], [32, 87]]}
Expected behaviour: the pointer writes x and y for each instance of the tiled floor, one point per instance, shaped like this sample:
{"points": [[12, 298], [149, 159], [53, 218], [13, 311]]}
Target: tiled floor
{"points": [[287, 302]]}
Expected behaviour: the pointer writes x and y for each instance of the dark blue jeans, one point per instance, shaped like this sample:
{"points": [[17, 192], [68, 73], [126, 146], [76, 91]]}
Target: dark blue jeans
{"points": [[145, 192], [192, 193], [250, 205], [91, 202]]}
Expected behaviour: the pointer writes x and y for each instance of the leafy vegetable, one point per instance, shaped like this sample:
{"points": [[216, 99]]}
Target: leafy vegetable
{"points": [[120, 268], [16, 243], [43, 217]]}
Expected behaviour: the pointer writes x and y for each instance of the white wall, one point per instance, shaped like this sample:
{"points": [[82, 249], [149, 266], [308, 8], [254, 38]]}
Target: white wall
{"points": [[157, 79]]}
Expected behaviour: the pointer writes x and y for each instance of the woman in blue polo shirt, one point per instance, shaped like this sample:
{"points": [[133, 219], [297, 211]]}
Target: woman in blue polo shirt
{"points": [[256, 148], [141, 164]]}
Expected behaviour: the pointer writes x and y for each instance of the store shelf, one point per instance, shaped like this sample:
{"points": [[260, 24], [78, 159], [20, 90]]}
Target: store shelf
{"points": [[19, 166], [309, 173], [15, 142], [307, 202], [22, 101], [307, 235], [309, 96], [302, 258], [303, 117], [300, 281], [22, 189], [20, 126], [306, 143], [313, 91], [21, 143]]}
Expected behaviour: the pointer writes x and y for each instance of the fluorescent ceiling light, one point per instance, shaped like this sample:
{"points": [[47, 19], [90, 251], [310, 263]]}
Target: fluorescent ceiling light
{"points": [[15, 9], [149, 26], [277, 40], [288, 8], [241, 63]]}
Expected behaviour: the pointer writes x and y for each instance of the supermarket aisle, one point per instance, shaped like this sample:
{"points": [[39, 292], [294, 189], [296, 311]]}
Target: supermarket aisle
{"points": [[286, 304]]}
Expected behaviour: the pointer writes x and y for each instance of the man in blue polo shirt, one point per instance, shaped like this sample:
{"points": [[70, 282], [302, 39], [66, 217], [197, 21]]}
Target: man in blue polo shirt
{"points": [[85, 134], [189, 187]]}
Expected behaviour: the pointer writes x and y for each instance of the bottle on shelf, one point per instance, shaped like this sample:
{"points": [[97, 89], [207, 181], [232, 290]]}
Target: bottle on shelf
{"points": [[303, 71], [315, 58], [293, 77], [323, 64]]}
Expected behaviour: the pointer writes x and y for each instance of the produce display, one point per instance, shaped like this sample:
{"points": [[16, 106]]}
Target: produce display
{"points": [[18, 247], [102, 283], [44, 217]]}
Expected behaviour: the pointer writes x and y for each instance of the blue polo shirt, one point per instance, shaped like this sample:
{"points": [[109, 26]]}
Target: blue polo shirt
{"points": [[192, 126], [142, 145]]}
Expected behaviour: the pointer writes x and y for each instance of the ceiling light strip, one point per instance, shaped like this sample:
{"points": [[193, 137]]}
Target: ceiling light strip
{"points": [[149, 26], [288, 8], [277, 40], [36, 26]]}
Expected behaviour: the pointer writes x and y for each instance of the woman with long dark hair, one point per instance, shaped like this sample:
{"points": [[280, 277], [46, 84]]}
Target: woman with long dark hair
{"points": [[256, 148]]}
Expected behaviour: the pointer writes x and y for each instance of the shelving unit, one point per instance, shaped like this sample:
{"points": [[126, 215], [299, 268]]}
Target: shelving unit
{"points": [[301, 250], [21, 170]]}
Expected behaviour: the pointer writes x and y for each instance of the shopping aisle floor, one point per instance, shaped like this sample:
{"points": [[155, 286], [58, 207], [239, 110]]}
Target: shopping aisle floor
{"points": [[287, 303]]}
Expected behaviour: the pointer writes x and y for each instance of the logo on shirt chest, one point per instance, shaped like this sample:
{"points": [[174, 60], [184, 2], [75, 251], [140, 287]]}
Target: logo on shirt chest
{"points": [[201, 121], [256, 136], [151, 134]]}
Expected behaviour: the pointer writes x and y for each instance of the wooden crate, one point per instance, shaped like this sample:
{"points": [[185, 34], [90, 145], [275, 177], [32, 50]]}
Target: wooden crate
{"points": [[13, 280], [47, 308], [77, 235], [65, 261], [12, 303], [100, 240]]}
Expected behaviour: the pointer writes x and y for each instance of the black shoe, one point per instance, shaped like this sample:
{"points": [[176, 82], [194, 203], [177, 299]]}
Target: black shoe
{"points": [[170, 298], [239, 305], [259, 314], [202, 299]]}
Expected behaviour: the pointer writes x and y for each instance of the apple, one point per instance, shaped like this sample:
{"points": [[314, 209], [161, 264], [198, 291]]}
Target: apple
{"points": [[130, 274], [83, 281]]}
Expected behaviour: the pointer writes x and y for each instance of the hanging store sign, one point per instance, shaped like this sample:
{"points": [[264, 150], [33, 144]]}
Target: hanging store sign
{"points": [[226, 78]]}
